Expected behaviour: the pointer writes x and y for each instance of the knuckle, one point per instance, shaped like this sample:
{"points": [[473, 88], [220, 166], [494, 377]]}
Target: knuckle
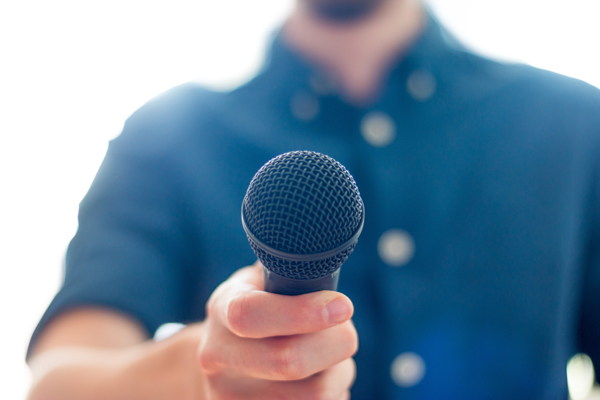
{"points": [[237, 314], [351, 338], [352, 371], [209, 360], [287, 363], [211, 305], [325, 388]]}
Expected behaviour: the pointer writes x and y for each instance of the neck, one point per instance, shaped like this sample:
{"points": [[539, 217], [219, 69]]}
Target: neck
{"points": [[358, 53]]}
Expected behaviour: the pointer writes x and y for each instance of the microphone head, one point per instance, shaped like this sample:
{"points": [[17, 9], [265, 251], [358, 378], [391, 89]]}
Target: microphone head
{"points": [[302, 214]]}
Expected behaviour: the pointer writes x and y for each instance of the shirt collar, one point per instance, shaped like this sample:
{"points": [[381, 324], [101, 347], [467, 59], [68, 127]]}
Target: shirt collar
{"points": [[289, 71]]}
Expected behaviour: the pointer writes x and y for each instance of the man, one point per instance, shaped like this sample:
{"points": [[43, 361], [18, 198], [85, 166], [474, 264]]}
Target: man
{"points": [[477, 274]]}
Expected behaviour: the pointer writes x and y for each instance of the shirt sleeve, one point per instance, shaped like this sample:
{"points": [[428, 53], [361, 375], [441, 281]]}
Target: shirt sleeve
{"points": [[132, 249], [589, 331]]}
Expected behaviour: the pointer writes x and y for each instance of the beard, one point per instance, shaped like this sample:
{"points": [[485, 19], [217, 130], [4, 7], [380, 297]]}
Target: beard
{"points": [[342, 10]]}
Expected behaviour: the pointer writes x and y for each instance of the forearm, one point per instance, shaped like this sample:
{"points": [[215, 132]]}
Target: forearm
{"points": [[79, 373], [148, 371]]}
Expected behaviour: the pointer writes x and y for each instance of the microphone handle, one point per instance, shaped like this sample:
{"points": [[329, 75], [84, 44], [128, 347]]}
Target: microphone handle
{"points": [[278, 284]]}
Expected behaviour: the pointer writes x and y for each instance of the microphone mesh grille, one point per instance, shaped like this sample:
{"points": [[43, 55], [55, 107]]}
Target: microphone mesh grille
{"points": [[302, 269], [303, 202]]}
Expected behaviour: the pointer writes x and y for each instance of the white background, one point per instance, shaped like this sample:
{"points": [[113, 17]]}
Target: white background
{"points": [[71, 71]]}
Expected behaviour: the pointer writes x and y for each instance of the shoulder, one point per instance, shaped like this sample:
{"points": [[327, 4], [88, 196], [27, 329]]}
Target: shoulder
{"points": [[182, 101], [168, 121], [520, 97], [526, 83]]}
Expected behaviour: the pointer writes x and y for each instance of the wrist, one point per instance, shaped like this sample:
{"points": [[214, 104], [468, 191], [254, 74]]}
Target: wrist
{"points": [[164, 370]]}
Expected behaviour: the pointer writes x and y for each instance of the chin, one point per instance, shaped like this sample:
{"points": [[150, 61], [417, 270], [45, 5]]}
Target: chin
{"points": [[343, 10]]}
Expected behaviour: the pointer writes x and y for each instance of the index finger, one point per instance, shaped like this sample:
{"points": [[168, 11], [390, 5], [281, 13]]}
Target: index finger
{"points": [[248, 311]]}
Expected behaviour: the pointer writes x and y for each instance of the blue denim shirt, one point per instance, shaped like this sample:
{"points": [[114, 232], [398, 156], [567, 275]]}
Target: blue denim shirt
{"points": [[478, 271]]}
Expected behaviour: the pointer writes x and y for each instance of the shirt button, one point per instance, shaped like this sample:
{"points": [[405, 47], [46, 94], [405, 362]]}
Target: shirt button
{"points": [[421, 85], [407, 370], [396, 247], [304, 106], [378, 129]]}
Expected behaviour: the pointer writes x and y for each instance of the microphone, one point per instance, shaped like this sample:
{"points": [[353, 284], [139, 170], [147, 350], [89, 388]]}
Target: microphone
{"points": [[303, 215]]}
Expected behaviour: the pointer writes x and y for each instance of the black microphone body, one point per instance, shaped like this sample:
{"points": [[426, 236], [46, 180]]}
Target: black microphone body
{"points": [[303, 215]]}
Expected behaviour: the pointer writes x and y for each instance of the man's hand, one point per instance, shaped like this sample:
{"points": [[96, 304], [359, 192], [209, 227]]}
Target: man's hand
{"points": [[259, 345], [252, 345]]}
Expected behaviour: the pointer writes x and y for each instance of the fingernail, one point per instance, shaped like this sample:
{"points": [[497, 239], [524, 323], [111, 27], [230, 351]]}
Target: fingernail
{"points": [[337, 311]]}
